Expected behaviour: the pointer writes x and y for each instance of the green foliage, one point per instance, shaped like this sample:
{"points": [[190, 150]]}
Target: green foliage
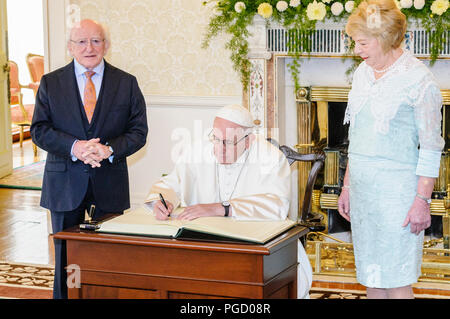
{"points": [[300, 26]]}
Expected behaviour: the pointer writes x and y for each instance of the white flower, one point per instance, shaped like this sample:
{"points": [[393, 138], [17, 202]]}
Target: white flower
{"points": [[349, 5], [316, 11], [239, 6], [282, 6], [419, 4], [326, 1], [439, 7], [337, 8], [406, 4], [294, 3]]}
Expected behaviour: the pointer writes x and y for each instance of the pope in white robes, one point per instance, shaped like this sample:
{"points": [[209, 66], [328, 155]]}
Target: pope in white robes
{"points": [[237, 174]]}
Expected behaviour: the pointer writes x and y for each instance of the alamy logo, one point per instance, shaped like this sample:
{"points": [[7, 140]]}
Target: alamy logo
{"points": [[73, 276], [373, 17], [73, 13]]}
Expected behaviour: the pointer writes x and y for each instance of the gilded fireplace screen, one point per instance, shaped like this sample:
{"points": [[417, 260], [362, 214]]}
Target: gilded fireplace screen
{"points": [[320, 115]]}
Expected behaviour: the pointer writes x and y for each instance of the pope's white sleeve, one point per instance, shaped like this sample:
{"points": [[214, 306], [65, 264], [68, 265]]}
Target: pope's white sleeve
{"points": [[168, 186], [272, 193], [260, 207]]}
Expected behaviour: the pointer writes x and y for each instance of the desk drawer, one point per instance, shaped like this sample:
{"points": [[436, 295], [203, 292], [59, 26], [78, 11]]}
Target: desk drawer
{"points": [[104, 292]]}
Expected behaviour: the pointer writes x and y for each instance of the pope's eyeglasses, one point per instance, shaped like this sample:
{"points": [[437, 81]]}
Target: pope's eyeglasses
{"points": [[215, 140]]}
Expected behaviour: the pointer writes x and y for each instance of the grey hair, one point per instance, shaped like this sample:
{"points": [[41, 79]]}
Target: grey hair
{"points": [[105, 30]]}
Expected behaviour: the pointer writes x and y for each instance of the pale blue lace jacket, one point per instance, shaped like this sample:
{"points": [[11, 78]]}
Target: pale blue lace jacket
{"points": [[410, 93]]}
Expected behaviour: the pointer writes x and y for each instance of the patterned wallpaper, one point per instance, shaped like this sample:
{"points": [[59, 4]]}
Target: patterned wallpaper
{"points": [[159, 41]]}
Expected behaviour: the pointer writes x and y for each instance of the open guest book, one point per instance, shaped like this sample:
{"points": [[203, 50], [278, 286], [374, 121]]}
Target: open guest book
{"points": [[143, 222]]}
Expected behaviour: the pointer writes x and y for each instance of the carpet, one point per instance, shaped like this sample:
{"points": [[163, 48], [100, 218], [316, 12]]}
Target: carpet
{"points": [[26, 281], [334, 294], [30, 281], [25, 177]]}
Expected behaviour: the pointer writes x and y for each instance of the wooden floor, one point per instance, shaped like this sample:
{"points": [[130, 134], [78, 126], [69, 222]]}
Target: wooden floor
{"points": [[23, 223]]}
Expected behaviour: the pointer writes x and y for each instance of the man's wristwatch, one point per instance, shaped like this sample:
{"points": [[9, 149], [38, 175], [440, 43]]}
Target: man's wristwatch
{"points": [[428, 200], [226, 205]]}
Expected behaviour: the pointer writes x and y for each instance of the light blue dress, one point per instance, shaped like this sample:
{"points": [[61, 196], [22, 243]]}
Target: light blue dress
{"points": [[389, 118]]}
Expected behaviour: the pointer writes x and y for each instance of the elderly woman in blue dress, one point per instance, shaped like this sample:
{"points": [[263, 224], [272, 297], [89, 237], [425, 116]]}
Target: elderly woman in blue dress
{"points": [[394, 111]]}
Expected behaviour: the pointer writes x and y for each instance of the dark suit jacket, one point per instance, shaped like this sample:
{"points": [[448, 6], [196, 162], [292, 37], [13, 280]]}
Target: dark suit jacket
{"points": [[119, 119]]}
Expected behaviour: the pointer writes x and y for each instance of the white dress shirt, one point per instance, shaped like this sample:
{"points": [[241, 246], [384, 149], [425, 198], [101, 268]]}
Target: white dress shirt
{"points": [[81, 78], [97, 78]]}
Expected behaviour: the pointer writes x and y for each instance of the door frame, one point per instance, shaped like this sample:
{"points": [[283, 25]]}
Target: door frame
{"points": [[6, 159], [55, 33]]}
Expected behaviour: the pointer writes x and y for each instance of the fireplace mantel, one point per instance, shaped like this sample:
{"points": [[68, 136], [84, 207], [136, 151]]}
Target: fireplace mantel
{"points": [[269, 42]]}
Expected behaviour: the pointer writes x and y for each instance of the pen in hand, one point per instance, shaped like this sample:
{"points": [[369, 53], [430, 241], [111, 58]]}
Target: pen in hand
{"points": [[164, 202]]}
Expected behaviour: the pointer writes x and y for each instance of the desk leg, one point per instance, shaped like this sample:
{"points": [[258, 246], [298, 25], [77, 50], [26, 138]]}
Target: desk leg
{"points": [[292, 290], [74, 293]]}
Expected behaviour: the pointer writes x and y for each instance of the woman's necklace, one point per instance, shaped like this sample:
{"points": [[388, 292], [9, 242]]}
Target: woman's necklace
{"points": [[384, 70], [237, 179], [389, 67]]}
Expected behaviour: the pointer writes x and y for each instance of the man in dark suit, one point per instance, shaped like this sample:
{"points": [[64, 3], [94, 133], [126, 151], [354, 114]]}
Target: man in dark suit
{"points": [[89, 116]]}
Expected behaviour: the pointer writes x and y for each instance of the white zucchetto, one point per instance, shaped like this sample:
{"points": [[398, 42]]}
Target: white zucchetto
{"points": [[237, 114]]}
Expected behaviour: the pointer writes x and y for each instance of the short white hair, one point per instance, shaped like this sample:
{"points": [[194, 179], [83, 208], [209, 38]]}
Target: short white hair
{"points": [[105, 30]]}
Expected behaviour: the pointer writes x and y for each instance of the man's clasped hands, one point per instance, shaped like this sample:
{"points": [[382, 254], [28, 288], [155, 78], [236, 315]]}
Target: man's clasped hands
{"points": [[91, 152]]}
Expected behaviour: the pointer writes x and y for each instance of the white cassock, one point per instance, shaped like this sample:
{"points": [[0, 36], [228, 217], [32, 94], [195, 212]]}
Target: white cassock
{"points": [[257, 186]]}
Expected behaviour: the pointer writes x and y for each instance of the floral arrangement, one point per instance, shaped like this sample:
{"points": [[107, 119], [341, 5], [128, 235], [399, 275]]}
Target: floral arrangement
{"points": [[233, 17]]}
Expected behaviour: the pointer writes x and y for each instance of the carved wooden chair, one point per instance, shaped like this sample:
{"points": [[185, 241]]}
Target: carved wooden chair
{"points": [[307, 219], [21, 115], [35, 65]]}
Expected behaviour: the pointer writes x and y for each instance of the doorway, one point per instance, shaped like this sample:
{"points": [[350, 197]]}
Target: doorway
{"points": [[25, 42]]}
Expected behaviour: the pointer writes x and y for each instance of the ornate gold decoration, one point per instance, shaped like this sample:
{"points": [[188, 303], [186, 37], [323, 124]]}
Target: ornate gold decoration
{"points": [[437, 207], [329, 201], [444, 171], [304, 137], [329, 94], [331, 168], [337, 258], [446, 220]]}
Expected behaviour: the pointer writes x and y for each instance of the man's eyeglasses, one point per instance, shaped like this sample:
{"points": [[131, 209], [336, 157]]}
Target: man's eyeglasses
{"points": [[215, 140], [83, 43]]}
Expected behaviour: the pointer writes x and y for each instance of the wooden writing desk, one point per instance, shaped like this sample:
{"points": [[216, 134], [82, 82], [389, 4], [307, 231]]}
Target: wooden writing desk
{"points": [[120, 266]]}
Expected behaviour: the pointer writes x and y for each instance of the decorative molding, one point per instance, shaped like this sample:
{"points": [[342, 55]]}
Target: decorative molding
{"points": [[257, 42], [257, 91], [55, 34], [191, 101]]}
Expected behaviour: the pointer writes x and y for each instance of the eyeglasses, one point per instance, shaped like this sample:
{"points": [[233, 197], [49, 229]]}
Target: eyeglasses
{"points": [[216, 140], [83, 43]]}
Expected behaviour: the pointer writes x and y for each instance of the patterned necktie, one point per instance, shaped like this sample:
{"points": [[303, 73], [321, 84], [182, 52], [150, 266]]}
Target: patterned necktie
{"points": [[90, 98]]}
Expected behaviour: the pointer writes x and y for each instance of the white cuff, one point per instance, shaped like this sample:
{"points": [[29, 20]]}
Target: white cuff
{"points": [[429, 163], [74, 158]]}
